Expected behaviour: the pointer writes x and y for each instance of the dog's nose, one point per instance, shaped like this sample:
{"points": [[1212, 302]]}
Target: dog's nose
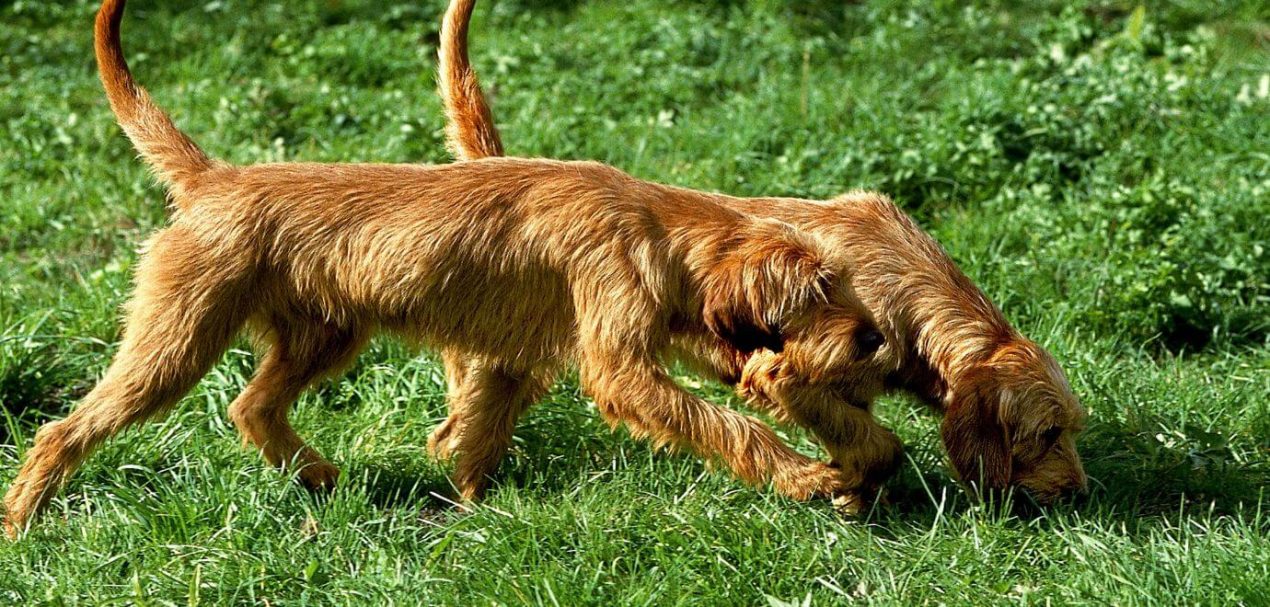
{"points": [[870, 340], [1081, 489]]}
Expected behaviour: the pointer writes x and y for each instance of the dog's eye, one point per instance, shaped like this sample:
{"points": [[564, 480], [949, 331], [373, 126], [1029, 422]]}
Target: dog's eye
{"points": [[869, 341], [1050, 436]]}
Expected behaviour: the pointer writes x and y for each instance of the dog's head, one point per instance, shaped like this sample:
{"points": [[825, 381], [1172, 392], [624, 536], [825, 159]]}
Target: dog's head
{"points": [[775, 290], [1012, 421]]}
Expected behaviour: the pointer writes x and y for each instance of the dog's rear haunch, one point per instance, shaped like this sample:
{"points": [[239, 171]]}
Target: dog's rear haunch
{"points": [[515, 268]]}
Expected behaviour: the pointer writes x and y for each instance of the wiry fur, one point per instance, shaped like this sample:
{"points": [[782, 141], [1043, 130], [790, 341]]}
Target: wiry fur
{"points": [[513, 267], [1010, 416], [174, 157], [469, 130]]}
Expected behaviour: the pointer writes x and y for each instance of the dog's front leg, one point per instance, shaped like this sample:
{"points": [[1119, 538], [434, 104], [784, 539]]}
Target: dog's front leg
{"points": [[865, 453], [639, 394]]}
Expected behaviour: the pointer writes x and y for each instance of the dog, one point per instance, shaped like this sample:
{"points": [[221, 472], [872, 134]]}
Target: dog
{"points": [[1010, 418], [514, 268]]}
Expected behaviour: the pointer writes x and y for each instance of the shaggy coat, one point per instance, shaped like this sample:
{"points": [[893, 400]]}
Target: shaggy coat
{"points": [[513, 267], [1010, 418]]}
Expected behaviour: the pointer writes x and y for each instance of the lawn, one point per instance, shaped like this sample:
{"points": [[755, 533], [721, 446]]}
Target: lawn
{"points": [[1101, 170]]}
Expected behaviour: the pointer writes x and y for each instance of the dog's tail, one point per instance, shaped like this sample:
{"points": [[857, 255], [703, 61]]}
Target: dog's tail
{"points": [[174, 158], [469, 129]]}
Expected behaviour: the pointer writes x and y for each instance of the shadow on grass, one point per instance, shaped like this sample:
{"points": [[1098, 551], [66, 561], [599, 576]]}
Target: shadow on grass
{"points": [[36, 386], [1133, 475], [391, 485], [1134, 478], [1187, 469]]}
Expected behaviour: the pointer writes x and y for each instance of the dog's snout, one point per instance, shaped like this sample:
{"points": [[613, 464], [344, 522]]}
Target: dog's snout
{"points": [[1081, 488], [870, 340], [1073, 494]]}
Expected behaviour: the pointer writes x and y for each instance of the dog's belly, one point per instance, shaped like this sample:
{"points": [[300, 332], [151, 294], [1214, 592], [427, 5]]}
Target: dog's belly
{"points": [[520, 313], [524, 318]]}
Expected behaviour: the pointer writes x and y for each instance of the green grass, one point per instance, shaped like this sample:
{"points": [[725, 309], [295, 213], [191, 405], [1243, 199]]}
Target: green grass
{"points": [[1103, 175]]}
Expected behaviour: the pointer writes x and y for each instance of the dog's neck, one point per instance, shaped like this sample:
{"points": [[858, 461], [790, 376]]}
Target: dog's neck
{"points": [[950, 340], [942, 322], [946, 323], [703, 226]]}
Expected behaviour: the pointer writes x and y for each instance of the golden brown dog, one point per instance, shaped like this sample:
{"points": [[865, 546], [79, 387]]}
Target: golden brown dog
{"points": [[1010, 418], [513, 267]]}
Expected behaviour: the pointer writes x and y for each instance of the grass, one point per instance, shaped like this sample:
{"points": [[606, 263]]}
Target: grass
{"points": [[1101, 171]]}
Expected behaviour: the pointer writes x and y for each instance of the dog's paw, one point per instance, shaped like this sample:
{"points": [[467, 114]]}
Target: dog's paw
{"points": [[850, 504], [870, 464], [858, 502], [443, 441], [849, 496], [319, 477], [759, 371], [816, 480]]}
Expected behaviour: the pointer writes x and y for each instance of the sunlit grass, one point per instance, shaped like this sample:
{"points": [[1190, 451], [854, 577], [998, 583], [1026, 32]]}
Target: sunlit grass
{"points": [[1103, 177]]}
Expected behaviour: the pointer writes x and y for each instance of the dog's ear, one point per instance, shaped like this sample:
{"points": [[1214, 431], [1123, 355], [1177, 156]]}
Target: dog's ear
{"points": [[977, 442], [771, 273]]}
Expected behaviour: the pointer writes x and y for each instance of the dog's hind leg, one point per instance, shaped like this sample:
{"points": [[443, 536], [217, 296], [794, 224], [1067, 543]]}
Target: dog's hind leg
{"points": [[445, 439], [300, 354], [491, 399], [187, 308]]}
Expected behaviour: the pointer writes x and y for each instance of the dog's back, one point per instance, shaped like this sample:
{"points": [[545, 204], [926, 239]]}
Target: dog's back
{"points": [[442, 253]]}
